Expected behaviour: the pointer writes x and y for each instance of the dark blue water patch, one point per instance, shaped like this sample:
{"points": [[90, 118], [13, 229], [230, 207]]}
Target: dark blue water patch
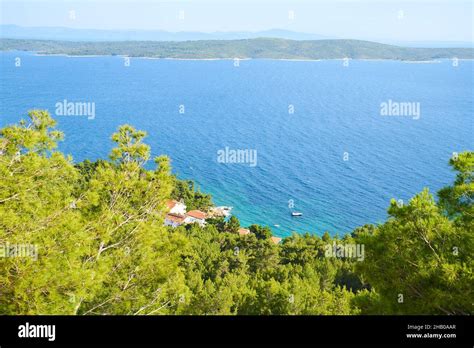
{"points": [[300, 155]]}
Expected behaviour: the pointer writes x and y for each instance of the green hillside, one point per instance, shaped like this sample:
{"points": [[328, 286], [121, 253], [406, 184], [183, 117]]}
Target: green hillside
{"points": [[251, 48]]}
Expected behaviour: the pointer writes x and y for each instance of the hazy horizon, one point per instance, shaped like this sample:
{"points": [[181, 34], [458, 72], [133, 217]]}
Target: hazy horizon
{"points": [[12, 31], [385, 21]]}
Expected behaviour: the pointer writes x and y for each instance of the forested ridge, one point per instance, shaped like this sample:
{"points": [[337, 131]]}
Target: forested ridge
{"points": [[102, 247], [260, 48]]}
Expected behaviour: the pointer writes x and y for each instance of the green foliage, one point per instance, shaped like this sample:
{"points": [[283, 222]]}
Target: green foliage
{"points": [[261, 232], [260, 48], [98, 228], [102, 247], [233, 225], [184, 190], [233, 274], [457, 200], [35, 136], [419, 261], [36, 198]]}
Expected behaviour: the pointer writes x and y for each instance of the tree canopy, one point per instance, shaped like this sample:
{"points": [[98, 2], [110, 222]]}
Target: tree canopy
{"points": [[101, 247]]}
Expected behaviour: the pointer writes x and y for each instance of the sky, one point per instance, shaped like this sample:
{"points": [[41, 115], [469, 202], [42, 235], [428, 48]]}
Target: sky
{"points": [[414, 20]]}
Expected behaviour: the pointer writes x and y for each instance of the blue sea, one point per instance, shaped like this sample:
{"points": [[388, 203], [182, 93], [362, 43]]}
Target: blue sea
{"points": [[335, 157]]}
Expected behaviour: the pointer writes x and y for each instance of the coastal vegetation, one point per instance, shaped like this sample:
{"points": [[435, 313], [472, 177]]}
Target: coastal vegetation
{"points": [[260, 48], [102, 246]]}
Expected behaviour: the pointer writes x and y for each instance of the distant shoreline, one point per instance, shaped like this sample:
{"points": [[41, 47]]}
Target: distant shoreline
{"points": [[40, 54], [270, 49]]}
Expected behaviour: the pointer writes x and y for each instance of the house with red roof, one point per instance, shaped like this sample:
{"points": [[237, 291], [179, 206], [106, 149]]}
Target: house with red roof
{"points": [[244, 231], [175, 207], [275, 240], [195, 216], [174, 220]]}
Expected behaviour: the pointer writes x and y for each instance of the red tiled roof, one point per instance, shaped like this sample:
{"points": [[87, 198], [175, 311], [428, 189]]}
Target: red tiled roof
{"points": [[275, 240], [171, 203], [197, 214], [244, 231], [175, 218]]}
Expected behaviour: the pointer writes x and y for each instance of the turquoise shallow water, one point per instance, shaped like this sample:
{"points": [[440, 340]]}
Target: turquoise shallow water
{"points": [[299, 156]]}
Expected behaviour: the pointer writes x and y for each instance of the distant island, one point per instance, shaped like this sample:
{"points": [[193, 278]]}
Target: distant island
{"points": [[260, 48]]}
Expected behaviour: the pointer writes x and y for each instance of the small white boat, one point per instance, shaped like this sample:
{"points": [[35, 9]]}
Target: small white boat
{"points": [[277, 226], [226, 210], [296, 213]]}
